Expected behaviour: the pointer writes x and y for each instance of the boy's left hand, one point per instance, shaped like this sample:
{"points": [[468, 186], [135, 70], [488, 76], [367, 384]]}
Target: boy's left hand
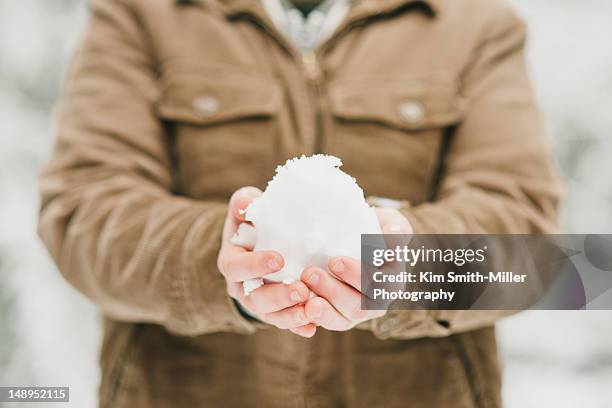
{"points": [[337, 304]]}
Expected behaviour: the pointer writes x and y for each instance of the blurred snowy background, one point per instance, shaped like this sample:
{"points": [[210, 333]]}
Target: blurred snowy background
{"points": [[49, 334]]}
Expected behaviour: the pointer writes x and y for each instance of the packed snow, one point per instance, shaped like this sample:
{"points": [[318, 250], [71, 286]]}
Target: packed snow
{"points": [[311, 211]]}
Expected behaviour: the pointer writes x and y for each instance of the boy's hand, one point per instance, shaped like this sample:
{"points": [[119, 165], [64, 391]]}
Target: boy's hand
{"points": [[277, 304], [337, 304]]}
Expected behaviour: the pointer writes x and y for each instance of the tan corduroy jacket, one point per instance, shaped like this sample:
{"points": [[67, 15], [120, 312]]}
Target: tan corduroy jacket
{"points": [[170, 106]]}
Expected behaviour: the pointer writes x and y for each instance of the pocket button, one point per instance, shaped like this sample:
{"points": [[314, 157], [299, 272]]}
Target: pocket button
{"points": [[411, 111], [206, 105]]}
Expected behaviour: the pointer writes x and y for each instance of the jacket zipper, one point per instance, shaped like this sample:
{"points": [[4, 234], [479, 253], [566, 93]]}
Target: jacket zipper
{"points": [[312, 72], [313, 75]]}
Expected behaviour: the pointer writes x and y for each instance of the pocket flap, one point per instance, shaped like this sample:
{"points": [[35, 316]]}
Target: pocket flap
{"points": [[209, 96], [410, 104]]}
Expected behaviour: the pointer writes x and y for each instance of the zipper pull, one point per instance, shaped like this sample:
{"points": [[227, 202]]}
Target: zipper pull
{"points": [[311, 66]]}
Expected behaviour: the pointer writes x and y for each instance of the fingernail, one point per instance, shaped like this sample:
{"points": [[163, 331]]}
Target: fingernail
{"points": [[274, 264], [395, 228], [338, 266], [313, 278], [295, 296]]}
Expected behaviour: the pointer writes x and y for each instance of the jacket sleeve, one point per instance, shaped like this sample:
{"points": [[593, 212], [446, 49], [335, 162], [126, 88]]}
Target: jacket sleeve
{"points": [[497, 175], [108, 216]]}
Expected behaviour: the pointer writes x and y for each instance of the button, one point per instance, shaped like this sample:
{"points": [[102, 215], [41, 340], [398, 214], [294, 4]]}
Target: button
{"points": [[206, 105], [411, 111]]}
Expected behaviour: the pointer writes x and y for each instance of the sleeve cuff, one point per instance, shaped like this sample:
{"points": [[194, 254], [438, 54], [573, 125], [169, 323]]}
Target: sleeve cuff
{"points": [[199, 300]]}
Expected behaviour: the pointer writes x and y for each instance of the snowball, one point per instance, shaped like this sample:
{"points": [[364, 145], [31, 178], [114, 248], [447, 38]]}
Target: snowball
{"points": [[311, 211]]}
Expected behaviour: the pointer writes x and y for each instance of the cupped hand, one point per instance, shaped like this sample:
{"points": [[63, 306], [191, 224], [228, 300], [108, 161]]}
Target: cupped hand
{"points": [[277, 304], [337, 301]]}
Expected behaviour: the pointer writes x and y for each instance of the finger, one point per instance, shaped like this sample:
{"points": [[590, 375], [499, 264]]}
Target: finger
{"points": [[392, 221], [398, 232], [226, 254], [321, 312], [273, 297], [235, 290], [395, 227], [341, 296], [308, 330], [240, 200], [237, 264], [289, 318], [347, 269]]}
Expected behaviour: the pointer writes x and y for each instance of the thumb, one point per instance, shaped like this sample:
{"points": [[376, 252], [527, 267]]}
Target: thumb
{"points": [[395, 226], [240, 201], [392, 221]]}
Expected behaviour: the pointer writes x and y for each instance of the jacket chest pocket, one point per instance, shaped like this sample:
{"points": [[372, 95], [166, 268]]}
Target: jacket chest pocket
{"points": [[224, 124], [389, 132]]}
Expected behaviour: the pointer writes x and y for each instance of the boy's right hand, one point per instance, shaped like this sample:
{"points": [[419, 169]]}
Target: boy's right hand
{"points": [[278, 304]]}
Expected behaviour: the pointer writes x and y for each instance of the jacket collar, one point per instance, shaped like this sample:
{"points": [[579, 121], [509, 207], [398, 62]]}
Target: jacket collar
{"points": [[365, 7], [363, 10]]}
